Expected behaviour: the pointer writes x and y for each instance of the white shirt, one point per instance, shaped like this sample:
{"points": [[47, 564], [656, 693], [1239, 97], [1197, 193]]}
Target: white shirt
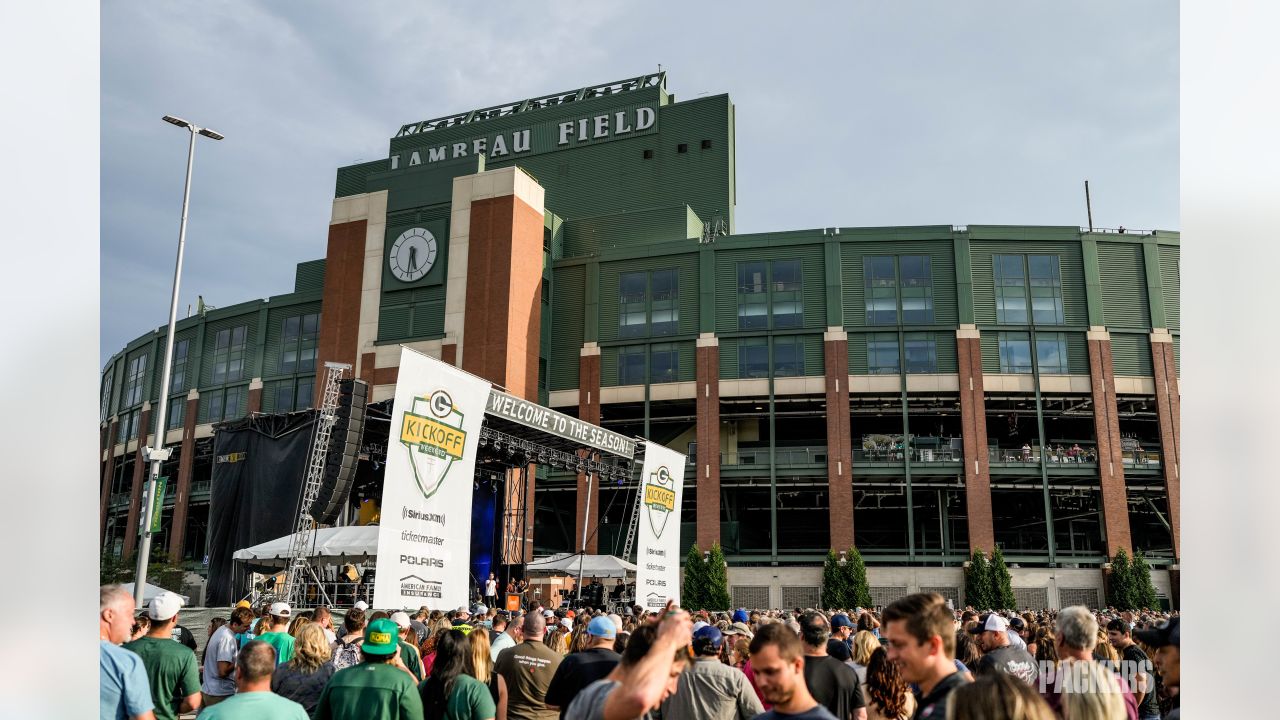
{"points": [[491, 588], [503, 642]]}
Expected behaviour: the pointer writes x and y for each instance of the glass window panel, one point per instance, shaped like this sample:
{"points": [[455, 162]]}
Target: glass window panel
{"points": [[311, 325], [882, 353], [751, 277], [1047, 310], [878, 270], [1043, 269], [238, 335], [631, 287], [1015, 353], [753, 359], [215, 406], [222, 339], [921, 351], [291, 330], [665, 364], [284, 397], [305, 388], [631, 366], [177, 410], [882, 307], [1051, 353], [665, 284], [915, 270], [307, 359], [1011, 305], [788, 357], [1009, 270], [788, 313], [753, 312], [232, 406], [786, 275], [917, 305]]}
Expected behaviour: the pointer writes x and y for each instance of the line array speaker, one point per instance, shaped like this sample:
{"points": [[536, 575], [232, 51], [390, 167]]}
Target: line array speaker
{"points": [[344, 452]]}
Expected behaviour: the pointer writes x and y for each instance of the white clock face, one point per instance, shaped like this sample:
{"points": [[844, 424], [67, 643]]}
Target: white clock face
{"points": [[412, 254]]}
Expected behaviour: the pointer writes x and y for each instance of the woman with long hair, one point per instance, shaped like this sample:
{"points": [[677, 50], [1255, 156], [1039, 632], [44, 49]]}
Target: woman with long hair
{"points": [[298, 622], [864, 643], [450, 693], [1103, 651], [141, 625], [741, 651], [303, 678], [555, 639], [967, 651], [888, 697], [1093, 693], [438, 628], [1046, 651], [480, 667]]}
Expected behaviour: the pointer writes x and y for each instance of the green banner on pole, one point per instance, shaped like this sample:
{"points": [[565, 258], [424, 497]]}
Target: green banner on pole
{"points": [[157, 503]]}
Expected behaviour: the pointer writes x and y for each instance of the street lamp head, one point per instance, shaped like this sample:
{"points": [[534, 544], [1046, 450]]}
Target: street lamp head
{"points": [[211, 134], [176, 121]]}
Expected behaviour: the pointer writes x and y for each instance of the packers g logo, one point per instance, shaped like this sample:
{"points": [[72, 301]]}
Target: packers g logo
{"points": [[432, 435], [659, 499]]}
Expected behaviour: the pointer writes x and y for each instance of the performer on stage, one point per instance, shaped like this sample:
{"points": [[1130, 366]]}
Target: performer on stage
{"points": [[491, 591]]}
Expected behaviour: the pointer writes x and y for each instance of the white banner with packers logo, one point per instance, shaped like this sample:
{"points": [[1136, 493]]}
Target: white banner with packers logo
{"points": [[424, 536], [658, 540]]}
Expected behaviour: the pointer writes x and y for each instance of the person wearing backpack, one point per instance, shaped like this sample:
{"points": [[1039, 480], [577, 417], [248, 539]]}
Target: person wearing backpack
{"points": [[346, 649]]}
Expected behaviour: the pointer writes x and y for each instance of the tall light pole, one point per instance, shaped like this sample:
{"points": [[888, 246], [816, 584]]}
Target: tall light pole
{"points": [[157, 455]]}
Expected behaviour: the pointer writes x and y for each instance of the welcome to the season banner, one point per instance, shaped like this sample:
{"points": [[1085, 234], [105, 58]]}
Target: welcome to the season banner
{"points": [[424, 539], [658, 541]]}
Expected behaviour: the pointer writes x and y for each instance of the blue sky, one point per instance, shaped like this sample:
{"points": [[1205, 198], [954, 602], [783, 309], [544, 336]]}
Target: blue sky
{"points": [[863, 113]]}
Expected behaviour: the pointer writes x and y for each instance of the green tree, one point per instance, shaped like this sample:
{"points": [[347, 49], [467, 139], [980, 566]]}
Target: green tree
{"points": [[693, 594], [1001, 583], [1144, 589], [717, 580], [113, 569], [835, 594], [977, 583], [859, 592], [1120, 589]]}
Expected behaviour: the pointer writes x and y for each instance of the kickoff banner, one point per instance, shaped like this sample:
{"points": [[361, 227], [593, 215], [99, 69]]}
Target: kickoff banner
{"points": [[424, 539], [658, 542]]}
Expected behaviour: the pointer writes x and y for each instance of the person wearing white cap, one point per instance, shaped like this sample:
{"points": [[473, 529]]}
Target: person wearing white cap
{"points": [[171, 666], [361, 605], [277, 636], [998, 655], [409, 653]]}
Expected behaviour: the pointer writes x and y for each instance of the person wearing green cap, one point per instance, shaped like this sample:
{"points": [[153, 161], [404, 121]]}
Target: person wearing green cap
{"points": [[379, 688]]}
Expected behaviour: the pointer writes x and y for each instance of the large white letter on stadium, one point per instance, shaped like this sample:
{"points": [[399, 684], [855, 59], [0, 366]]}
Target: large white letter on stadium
{"points": [[602, 126], [566, 129], [620, 125], [499, 146], [644, 118], [520, 141]]}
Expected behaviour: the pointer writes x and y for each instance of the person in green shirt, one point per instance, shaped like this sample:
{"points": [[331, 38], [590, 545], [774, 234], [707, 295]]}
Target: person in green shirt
{"points": [[379, 688], [253, 699], [278, 635], [171, 666], [450, 693]]}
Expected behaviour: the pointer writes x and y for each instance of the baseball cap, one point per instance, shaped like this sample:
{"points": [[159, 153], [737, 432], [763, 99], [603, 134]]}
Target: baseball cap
{"points": [[707, 639], [479, 609], [570, 614], [548, 614], [1017, 623], [602, 627], [739, 628], [840, 620], [699, 625], [280, 609], [989, 621], [1166, 633], [616, 620], [382, 637], [462, 610], [401, 619], [164, 606], [360, 605], [243, 603], [567, 624], [740, 615]]}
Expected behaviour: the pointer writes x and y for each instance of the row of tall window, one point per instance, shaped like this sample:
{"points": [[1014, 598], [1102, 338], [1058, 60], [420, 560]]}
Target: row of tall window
{"points": [[664, 364], [648, 303], [770, 295]]}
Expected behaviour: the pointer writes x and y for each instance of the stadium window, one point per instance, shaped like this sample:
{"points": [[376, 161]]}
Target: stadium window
{"points": [[178, 378], [1045, 278], [648, 303], [770, 291], [785, 286], [882, 353], [631, 365], [1051, 353], [881, 290], [212, 406], [915, 281], [753, 358], [665, 290], [231, 406], [664, 363], [921, 351], [228, 354], [133, 381], [306, 388], [106, 394], [298, 338], [788, 357], [753, 296], [284, 396], [1015, 353], [177, 413]]}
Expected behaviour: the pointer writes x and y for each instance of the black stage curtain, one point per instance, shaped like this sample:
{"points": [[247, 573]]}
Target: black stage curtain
{"points": [[258, 469]]}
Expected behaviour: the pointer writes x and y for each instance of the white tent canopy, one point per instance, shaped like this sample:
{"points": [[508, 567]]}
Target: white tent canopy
{"points": [[335, 545], [592, 565], [149, 591]]}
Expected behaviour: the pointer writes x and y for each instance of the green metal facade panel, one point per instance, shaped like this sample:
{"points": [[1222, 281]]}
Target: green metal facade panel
{"points": [[588, 236], [1070, 264], [411, 313], [1177, 355], [813, 289], [309, 276], [858, 354], [353, 179], [729, 358], [686, 267], [814, 357], [946, 345], [609, 365], [1131, 354], [990, 343], [1077, 353], [1124, 285], [1171, 284], [688, 370], [942, 264], [568, 300]]}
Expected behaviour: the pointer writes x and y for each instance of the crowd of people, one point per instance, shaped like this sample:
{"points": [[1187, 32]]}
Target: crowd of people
{"points": [[916, 658]]}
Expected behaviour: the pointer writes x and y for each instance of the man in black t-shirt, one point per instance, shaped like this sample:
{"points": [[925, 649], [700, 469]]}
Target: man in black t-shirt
{"points": [[1135, 668], [830, 681], [580, 669], [991, 634], [778, 662]]}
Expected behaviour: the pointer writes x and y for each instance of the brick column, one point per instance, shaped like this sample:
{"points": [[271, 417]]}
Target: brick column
{"points": [[255, 397], [109, 467], [186, 461], [139, 478], [708, 461], [1168, 411], [340, 321], [973, 418], [588, 503], [839, 438], [449, 353], [1106, 427]]}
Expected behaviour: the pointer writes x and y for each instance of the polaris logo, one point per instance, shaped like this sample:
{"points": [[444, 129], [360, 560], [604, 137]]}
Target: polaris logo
{"points": [[422, 561]]}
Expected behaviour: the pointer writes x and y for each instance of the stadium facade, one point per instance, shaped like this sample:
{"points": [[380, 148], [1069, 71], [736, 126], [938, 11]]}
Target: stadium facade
{"points": [[916, 392]]}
